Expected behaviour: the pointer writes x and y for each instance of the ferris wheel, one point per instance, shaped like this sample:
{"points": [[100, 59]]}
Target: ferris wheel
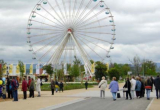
{"points": [[58, 30]]}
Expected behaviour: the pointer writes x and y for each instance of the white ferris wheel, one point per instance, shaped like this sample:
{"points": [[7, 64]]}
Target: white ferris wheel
{"points": [[58, 30]]}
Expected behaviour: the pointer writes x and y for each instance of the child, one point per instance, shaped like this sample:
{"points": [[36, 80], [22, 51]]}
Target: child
{"points": [[4, 92], [61, 86], [1, 91]]}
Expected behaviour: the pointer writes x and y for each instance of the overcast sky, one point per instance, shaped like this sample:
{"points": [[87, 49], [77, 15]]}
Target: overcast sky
{"points": [[137, 29]]}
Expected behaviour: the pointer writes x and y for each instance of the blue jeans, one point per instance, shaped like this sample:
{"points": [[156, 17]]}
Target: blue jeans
{"points": [[15, 95], [148, 93], [114, 95]]}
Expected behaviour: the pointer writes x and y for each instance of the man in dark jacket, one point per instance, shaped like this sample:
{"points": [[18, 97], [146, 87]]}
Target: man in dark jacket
{"points": [[152, 83], [157, 86]]}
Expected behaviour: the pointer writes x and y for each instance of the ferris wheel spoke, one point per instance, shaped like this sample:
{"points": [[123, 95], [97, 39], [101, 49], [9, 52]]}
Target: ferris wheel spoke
{"points": [[42, 35], [95, 38], [90, 47], [48, 19], [83, 25], [94, 32], [56, 12], [95, 15], [49, 50], [93, 43], [65, 12], [43, 40], [59, 9], [86, 15], [46, 24], [46, 45], [103, 26], [45, 29], [84, 10], [60, 23], [77, 13]]}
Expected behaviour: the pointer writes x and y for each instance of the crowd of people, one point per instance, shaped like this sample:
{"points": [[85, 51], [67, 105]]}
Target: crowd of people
{"points": [[11, 87], [132, 86]]}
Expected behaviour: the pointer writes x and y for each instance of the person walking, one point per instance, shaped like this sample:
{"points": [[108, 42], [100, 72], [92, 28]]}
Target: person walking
{"points": [[148, 87], [86, 85], [32, 88], [38, 86], [157, 86], [102, 85], [133, 86], [152, 81], [57, 86], [61, 86], [52, 86], [142, 86], [138, 88], [24, 88], [128, 87], [29, 82], [114, 87]]}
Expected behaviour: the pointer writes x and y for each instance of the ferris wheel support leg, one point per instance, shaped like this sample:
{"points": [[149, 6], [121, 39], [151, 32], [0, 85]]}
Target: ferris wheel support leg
{"points": [[57, 50], [84, 57]]}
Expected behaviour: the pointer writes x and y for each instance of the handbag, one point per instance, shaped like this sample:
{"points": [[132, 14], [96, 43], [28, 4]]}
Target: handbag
{"points": [[148, 87], [118, 95], [125, 89], [101, 84]]}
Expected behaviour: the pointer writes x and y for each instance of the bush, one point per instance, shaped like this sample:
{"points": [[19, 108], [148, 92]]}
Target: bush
{"points": [[114, 73], [46, 87]]}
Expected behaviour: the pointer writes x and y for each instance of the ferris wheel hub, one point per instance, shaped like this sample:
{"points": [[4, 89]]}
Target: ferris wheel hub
{"points": [[70, 30]]}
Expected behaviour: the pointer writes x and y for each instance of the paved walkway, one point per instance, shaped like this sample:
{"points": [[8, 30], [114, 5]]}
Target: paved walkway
{"points": [[78, 97]]}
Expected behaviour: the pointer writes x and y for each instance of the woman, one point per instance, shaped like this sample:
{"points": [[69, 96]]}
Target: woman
{"points": [[57, 86], [24, 88], [32, 87], [38, 87], [102, 85], [148, 87], [52, 86], [128, 91], [138, 88], [114, 88]]}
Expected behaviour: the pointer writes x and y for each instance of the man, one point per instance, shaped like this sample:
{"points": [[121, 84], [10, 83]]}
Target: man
{"points": [[133, 86], [157, 85], [24, 88], [15, 84], [52, 86], [29, 82], [152, 83]]}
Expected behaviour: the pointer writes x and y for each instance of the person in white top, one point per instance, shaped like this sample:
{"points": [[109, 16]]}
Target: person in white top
{"points": [[102, 85], [133, 86], [38, 86]]}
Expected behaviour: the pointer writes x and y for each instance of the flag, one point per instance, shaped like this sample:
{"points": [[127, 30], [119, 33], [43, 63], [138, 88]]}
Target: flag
{"points": [[107, 65], [93, 68], [24, 69], [17, 69], [10, 68], [31, 69]]}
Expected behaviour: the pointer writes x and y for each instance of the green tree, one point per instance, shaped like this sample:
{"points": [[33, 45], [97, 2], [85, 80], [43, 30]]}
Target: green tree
{"points": [[48, 68], [100, 70], [60, 74], [113, 72], [148, 68], [21, 69], [75, 70], [2, 69]]}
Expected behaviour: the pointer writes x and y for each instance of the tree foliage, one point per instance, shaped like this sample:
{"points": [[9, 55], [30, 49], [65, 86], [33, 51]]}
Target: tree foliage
{"points": [[2, 69], [49, 69], [60, 74], [113, 72], [21, 68], [100, 70]]}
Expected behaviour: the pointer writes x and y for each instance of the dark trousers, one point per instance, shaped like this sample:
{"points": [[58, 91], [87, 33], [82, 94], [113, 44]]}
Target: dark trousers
{"points": [[157, 93], [138, 93], [32, 93], [86, 87], [52, 91], [24, 94], [142, 92], [128, 93], [15, 95], [29, 93], [10, 94], [61, 89]]}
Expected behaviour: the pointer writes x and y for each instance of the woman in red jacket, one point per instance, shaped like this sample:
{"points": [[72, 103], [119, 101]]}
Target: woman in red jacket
{"points": [[24, 88]]}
